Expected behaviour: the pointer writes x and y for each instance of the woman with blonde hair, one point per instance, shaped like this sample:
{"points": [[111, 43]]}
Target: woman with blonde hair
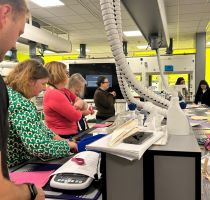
{"points": [[61, 106], [77, 84], [29, 137]]}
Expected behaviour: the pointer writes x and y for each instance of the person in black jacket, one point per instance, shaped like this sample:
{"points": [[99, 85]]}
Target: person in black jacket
{"points": [[203, 93], [104, 100], [13, 14]]}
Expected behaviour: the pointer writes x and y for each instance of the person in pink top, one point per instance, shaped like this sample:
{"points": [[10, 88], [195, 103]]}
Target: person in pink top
{"points": [[61, 107]]}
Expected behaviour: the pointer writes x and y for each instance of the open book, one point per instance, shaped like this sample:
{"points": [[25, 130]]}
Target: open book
{"points": [[125, 130], [128, 151]]}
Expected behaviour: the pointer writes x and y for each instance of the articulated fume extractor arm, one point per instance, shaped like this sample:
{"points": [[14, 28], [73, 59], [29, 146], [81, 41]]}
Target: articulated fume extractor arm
{"points": [[111, 14]]}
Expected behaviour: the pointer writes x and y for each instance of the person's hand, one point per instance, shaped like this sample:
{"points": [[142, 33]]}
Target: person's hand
{"points": [[40, 195], [91, 110], [113, 93], [86, 112], [79, 104], [73, 146], [57, 137]]}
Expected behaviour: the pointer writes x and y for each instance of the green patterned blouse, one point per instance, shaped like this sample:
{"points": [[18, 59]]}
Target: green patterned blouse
{"points": [[29, 137]]}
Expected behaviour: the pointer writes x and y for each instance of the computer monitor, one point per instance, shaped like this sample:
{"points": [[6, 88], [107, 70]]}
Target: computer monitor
{"points": [[91, 71], [92, 80]]}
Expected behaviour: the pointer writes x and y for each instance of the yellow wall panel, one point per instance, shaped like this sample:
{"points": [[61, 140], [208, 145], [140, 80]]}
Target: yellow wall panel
{"points": [[208, 65]]}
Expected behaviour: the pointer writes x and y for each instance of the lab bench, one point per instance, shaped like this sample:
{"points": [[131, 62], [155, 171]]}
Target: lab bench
{"points": [[165, 172]]}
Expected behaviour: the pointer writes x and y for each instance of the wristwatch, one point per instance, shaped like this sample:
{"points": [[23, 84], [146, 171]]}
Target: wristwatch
{"points": [[33, 190]]}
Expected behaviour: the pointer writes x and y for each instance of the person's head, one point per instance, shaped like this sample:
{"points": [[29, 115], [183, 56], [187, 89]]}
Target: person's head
{"points": [[77, 84], [180, 81], [13, 15], [58, 73], [28, 78], [203, 85], [103, 82]]}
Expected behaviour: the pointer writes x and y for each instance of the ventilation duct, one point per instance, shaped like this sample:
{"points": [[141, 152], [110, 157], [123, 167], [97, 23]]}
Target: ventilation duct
{"points": [[125, 47], [82, 51], [32, 52], [5, 67], [42, 37], [11, 55], [169, 50], [150, 17]]}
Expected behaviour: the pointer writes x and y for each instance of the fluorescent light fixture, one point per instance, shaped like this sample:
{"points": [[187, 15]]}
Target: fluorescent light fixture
{"points": [[87, 50], [132, 33], [48, 3], [48, 52], [208, 43], [142, 47]]}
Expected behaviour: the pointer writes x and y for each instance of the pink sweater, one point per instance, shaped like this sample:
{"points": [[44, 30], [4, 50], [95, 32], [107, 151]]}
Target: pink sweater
{"points": [[60, 115]]}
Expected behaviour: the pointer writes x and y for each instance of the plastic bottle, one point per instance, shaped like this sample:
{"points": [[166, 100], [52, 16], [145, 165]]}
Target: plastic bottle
{"points": [[177, 121]]}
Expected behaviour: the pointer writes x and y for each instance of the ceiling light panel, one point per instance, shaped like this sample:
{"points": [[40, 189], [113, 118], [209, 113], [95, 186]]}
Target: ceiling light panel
{"points": [[48, 3], [142, 47], [132, 33]]}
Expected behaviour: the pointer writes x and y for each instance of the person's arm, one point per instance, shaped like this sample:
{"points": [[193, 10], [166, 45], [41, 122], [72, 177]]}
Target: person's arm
{"points": [[103, 99], [61, 104], [80, 104], [206, 97], [34, 137], [11, 191], [87, 112], [196, 98]]}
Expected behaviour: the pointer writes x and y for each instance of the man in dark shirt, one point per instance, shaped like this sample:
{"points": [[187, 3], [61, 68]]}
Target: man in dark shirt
{"points": [[13, 15]]}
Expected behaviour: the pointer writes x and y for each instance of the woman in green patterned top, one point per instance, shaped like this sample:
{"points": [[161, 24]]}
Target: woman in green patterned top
{"points": [[28, 136]]}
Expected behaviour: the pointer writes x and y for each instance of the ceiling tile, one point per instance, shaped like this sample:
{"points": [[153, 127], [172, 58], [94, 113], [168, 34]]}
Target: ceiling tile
{"points": [[70, 2], [73, 19], [79, 9], [85, 26], [42, 13], [32, 5], [91, 18], [56, 20], [82, 18], [61, 11]]}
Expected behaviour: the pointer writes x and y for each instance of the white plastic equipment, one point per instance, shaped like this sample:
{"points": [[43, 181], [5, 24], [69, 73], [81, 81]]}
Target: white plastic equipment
{"points": [[74, 175], [111, 14], [70, 181]]}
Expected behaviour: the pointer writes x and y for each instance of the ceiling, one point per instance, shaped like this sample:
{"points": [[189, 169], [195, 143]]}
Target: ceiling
{"points": [[82, 21]]}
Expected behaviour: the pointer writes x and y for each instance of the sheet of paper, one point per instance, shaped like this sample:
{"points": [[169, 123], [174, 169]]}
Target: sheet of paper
{"points": [[39, 178], [194, 123], [197, 117], [206, 124], [90, 168], [100, 131], [192, 106], [128, 151]]}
